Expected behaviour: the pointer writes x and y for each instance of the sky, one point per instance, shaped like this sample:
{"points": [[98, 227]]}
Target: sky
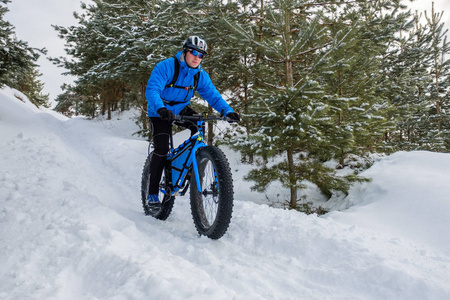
{"points": [[33, 19]]}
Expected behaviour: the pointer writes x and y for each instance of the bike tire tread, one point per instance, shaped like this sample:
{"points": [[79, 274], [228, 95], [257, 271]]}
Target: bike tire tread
{"points": [[225, 209]]}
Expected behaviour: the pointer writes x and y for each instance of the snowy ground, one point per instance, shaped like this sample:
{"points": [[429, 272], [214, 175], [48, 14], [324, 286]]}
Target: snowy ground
{"points": [[72, 227]]}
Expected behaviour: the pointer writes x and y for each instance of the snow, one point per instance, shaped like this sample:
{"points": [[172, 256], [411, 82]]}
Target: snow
{"points": [[72, 226]]}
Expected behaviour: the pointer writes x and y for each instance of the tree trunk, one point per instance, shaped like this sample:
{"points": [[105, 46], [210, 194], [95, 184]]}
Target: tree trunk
{"points": [[143, 109], [210, 128], [108, 104], [292, 179], [287, 41]]}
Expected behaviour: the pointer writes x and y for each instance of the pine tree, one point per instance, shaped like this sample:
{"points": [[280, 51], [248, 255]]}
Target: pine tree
{"points": [[28, 83], [115, 47], [362, 94], [91, 46], [405, 70], [421, 72], [18, 67], [434, 138], [240, 59], [14, 54], [223, 62], [290, 105]]}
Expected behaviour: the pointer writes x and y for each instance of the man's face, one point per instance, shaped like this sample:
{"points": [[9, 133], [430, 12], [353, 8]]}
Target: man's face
{"points": [[191, 60]]}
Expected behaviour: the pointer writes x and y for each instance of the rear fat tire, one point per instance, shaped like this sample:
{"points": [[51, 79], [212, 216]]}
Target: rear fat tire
{"points": [[162, 212], [212, 209]]}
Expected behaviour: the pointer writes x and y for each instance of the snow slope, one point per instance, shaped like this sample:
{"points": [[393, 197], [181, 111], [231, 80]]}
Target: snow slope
{"points": [[72, 226]]}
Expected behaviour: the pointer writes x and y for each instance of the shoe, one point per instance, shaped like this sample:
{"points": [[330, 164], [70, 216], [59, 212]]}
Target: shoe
{"points": [[152, 200]]}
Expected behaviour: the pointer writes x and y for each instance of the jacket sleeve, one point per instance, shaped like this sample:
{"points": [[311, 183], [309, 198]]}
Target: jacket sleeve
{"points": [[156, 84], [208, 91]]}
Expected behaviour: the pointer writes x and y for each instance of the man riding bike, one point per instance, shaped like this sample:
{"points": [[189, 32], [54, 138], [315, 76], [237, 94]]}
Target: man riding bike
{"points": [[170, 88]]}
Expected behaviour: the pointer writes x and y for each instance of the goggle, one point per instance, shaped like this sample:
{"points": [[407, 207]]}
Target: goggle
{"points": [[196, 53]]}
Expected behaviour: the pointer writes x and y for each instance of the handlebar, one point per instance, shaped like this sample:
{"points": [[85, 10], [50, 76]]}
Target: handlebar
{"points": [[202, 117]]}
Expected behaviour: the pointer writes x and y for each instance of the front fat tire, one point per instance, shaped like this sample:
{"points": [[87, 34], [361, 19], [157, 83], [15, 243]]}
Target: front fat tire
{"points": [[160, 213], [212, 209]]}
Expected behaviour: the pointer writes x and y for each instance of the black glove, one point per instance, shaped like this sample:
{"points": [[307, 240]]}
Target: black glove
{"points": [[166, 115], [233, 117]]}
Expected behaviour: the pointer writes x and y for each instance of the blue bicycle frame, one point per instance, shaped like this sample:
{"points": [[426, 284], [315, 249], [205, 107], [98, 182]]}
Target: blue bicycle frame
{"points": [[182, 160]]}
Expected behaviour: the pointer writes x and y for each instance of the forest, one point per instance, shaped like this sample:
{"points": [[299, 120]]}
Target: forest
{"points": [[315, 81]]}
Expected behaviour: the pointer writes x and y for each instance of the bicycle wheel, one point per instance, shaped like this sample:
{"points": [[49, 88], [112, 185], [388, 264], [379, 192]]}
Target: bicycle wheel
{"points": [[163, 211], [212, 207]]}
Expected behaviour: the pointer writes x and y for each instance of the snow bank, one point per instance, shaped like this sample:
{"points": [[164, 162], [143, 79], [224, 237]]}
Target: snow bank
{"points": [[72, 227], [408, 196]]}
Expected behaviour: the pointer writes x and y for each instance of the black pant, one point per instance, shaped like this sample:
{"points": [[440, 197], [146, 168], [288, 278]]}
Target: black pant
{"points": [[161, 130]]}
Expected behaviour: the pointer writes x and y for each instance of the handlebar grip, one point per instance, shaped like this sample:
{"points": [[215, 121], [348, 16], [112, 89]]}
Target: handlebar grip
{"points": [[232, 121], [200, 118]]}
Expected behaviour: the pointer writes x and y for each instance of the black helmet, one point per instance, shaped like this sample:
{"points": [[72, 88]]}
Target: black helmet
{"points": [[195, 43]]}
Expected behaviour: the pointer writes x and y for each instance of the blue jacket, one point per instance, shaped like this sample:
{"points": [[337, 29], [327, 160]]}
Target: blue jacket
{"points": [[162, 75]]}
